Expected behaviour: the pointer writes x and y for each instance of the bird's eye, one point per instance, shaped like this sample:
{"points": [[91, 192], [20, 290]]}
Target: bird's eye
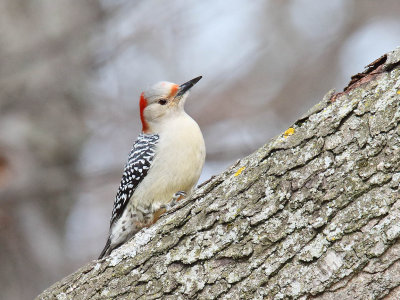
{"points": [[162, 101]]}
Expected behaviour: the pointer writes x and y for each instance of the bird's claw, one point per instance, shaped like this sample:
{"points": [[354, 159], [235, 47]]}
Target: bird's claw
{"points": [[175, 198]]}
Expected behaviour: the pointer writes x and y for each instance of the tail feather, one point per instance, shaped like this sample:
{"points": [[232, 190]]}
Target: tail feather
{"points": [[107, 249]]}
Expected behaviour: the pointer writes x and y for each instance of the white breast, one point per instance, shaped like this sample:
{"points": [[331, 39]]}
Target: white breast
{"points": [[178, 163]]}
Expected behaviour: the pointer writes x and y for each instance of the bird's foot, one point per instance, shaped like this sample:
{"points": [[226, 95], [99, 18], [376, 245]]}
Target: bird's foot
{"points": [[175, 198]]}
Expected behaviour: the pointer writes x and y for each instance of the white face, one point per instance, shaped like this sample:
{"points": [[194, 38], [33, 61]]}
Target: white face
{"points": [[162, 102]]}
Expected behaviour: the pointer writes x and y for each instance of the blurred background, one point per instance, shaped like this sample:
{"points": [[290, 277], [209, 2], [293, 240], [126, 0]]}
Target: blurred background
{"points": [[70, 78]]}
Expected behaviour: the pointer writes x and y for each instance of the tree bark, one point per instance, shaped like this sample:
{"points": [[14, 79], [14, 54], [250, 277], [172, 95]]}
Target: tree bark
{"points": [[314, 214]]}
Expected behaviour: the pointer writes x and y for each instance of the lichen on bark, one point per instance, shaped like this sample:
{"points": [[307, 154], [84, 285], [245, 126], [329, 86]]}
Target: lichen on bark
{"points": [[314, 214]]}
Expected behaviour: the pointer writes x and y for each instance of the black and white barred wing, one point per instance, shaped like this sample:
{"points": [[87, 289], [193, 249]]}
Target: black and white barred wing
{"points": [[139, 161]]}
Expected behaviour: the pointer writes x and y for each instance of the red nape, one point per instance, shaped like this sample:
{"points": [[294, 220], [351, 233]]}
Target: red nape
{"points": [[142, 105]]}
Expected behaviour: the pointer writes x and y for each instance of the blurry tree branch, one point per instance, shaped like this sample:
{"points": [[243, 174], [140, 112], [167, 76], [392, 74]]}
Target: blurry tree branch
{"points": [[314, 213]]}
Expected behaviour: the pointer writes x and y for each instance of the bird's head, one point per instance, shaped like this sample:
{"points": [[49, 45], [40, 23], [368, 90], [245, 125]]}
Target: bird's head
{"points": [[163, 100]]}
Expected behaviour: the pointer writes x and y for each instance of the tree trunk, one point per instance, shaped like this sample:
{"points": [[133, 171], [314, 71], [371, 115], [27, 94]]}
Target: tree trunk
{"points": [[314, 214]]}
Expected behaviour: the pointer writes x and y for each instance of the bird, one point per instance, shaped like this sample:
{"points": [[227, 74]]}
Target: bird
{"points": [[163, 166]]}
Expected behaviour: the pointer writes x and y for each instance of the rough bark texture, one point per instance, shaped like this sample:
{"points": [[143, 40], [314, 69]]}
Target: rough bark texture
{"points": [[314, 214]]}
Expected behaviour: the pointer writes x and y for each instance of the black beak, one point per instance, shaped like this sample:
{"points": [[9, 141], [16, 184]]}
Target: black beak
{"points": [[183, 88]]}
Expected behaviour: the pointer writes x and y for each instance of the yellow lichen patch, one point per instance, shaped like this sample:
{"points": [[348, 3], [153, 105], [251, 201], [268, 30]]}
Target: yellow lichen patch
{"points": [[288, 132], [398, 92], [238, 172]]}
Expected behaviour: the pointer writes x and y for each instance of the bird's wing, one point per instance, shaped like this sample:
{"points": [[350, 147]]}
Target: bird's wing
{"points": [[137, 167]]}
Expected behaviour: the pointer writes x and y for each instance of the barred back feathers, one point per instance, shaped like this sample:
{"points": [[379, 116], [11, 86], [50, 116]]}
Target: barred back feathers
{"points": [[139, 161]]}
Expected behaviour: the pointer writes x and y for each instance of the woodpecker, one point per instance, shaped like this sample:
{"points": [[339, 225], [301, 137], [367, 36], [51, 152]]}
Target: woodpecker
{"points": [[163, 166]]}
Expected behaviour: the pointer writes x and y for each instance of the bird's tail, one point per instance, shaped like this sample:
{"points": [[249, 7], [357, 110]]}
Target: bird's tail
{"points": [[107, 249]]}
